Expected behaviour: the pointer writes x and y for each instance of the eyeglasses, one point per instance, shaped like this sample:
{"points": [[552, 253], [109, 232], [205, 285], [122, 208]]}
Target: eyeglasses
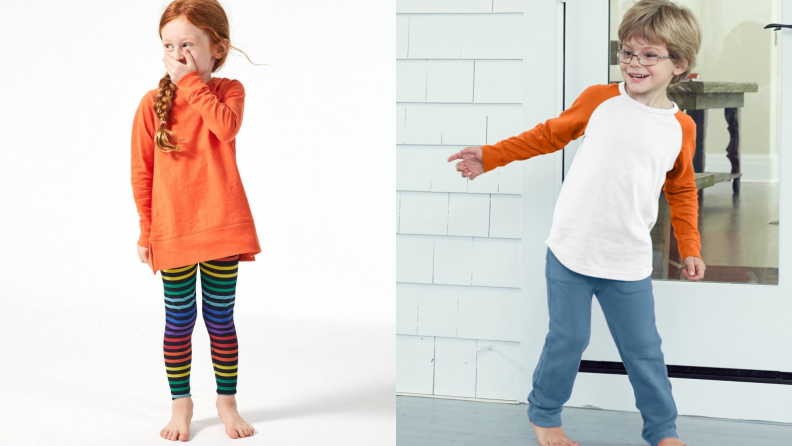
{"points": [[645, 59]]}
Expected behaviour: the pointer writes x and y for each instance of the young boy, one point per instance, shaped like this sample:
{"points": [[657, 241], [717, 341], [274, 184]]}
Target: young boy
{"points": [[636, 141]]}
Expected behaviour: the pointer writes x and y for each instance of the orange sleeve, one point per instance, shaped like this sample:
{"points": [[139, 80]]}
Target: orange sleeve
{"points": [[223, 118], [143, 164], [682, 194], [551, 136]]}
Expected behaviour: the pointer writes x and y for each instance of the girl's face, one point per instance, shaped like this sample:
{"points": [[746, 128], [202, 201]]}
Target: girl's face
{"points": [[179, 35]]}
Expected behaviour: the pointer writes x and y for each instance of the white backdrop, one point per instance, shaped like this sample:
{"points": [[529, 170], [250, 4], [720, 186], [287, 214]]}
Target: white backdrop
{"points": [[82, 318]]}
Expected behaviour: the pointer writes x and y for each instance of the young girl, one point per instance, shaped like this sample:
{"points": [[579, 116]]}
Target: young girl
{"points": [[192, 206]]}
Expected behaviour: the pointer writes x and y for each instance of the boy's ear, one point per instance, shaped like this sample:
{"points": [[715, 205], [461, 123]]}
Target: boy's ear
{"points": [[681, 67]]}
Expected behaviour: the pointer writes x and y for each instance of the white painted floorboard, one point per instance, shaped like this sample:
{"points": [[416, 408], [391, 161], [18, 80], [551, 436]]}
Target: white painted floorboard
{"points": [[445, 422]]}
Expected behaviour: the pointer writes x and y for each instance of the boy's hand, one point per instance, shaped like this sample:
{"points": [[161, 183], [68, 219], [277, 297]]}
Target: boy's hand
{"points": [[694, 268], [471, 165]]}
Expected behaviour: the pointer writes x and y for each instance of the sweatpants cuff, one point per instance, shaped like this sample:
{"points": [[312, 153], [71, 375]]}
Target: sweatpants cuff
{"points": [[544, 418]]}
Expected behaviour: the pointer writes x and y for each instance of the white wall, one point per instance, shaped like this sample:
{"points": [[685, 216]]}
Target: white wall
{"points": [[459, 83]]}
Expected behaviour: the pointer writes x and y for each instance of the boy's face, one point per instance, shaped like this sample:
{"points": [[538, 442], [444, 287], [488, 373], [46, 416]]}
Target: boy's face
{"points": [[657, 76]]}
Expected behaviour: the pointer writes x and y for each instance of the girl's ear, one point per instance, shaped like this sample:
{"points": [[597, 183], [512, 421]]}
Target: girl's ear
{"points": [[221, 49]]}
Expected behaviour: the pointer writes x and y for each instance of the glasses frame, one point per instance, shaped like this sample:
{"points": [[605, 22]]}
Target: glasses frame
{"points": [[640, 61]]}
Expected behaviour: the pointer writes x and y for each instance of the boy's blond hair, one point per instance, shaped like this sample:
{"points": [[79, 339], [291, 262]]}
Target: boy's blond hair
{"points": [[662, 21]]}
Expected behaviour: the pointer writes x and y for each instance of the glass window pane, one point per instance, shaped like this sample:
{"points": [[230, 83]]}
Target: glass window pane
{"points": [[734, 101]]}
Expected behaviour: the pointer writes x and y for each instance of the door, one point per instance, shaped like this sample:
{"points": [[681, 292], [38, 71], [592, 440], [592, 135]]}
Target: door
{"points": [[734, 327]]}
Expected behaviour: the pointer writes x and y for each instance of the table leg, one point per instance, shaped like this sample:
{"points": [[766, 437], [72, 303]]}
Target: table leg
{"points": [[732, 115], [700, 118]]}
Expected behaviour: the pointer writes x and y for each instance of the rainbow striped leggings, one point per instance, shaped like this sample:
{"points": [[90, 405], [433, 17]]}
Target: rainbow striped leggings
{"points": [[218, 288]]}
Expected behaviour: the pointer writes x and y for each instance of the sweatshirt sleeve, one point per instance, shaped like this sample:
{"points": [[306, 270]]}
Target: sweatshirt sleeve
{"points": [[553, 135], [143, 164], [223, 117], [682, 194]]}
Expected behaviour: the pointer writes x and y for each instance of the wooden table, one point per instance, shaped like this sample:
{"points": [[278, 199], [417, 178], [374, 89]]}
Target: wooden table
{"points": [[695, 98]]}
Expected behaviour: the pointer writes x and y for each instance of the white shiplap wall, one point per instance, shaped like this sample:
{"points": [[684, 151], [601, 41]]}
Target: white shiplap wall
{"points": [[459, 76]]}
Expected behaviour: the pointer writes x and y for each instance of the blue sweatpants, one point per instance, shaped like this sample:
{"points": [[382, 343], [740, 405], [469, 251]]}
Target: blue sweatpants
{"points": [[628, 307]]}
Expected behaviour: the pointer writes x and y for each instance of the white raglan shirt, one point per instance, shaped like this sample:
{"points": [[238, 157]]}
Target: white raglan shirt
{"points": [[609, 199], [629, 154]]}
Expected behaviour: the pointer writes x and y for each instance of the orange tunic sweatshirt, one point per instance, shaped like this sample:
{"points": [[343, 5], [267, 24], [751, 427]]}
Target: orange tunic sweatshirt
{"points": [[191, 204], [609, 200]]}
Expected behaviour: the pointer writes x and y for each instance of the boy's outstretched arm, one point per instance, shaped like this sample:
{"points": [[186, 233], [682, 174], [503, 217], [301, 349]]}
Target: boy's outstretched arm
{"points": [[550, 136], [682, 195]]}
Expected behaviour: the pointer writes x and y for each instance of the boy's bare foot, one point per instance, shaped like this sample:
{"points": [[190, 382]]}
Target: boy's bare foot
{"points": [[235, 426], [671, 442], [553, 436], [179, 426]]}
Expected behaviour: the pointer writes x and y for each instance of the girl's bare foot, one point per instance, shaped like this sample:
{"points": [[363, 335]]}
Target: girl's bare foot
{"points": [[671, 442], [553, 436], [179, 426], [235, 426]]}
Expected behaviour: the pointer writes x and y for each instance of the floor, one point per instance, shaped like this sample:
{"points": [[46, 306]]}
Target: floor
{"points": [[446, 422], [78, 376]]}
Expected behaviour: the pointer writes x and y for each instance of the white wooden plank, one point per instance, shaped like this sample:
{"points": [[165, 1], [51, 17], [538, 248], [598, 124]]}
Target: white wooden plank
{"points": [[437, 310], [464, 6], [505, 216], [402, 35], [486, 183], [455, 367], [468, 214], [449, 81], [503, 121], [452, 260], [400, 123], [407, 308], [489, 313], [496, 262], [445, 177], [497, 371], [398, 203], [423, 124], [510, 178], [498, 81], [411, 80], [414, 364], [414, 168], [464, 124], [693, 397], [507, 5], [423, 213], [414, 258], [491, 36], [446, 6], [415, 6], [435, 36]]}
